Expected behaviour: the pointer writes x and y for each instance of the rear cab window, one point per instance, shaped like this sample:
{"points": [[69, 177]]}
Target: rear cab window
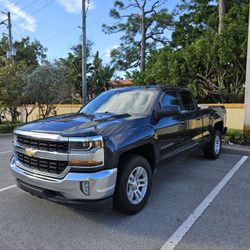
{"points": [[188, 103]]}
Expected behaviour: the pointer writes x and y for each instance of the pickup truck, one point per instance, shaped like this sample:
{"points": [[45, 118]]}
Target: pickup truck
{"points": [[104, 155]]}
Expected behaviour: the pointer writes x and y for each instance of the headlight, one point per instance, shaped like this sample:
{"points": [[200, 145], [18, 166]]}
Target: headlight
{"points": [[86, 144], [86, 151], [14, 138]]}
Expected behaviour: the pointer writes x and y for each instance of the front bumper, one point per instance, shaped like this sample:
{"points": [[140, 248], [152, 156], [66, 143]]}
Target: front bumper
{"points": [[68, 189], [88, 205]]}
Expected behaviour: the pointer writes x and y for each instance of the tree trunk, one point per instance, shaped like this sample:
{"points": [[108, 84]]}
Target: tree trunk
{"points": [[26, 117], [14, 118], [13, 113], [221, 15], [143, 42]]}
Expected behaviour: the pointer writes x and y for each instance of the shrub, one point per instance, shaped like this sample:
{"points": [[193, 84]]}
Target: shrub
{"points": [[8, 127], [237, 136]]}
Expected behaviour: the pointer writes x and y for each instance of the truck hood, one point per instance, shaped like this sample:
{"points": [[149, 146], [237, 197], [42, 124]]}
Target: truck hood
{"points": [[81, 125]]}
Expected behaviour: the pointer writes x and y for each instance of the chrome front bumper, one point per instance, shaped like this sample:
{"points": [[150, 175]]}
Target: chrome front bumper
{"points": [[101, 183]]}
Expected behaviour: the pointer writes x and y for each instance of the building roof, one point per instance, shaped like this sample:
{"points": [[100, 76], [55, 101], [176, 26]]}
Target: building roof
{"points": [[121, 83]]}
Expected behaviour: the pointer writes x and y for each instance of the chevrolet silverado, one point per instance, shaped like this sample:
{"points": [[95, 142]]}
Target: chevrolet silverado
{"points": [[105, 154]]}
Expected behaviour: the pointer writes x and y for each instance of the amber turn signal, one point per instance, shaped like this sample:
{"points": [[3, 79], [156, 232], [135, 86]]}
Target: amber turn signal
{"points": [[85, 163]]}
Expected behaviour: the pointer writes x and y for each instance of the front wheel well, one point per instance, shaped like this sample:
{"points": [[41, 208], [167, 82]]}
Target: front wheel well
{"points": [[147, 151], [219, 126]]}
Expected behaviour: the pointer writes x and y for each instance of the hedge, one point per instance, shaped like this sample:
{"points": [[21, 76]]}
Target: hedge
{"points": [[237, 136], [8, 127]]}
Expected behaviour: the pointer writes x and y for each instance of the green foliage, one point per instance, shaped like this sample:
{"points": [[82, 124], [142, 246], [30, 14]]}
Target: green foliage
{"points": [[11, 86], [27, 51], [143, 26], [46, 86], [29, 54], [194, 18], [99, 76], [8, 127], [237, 137], [212, 65], [72, 66]]}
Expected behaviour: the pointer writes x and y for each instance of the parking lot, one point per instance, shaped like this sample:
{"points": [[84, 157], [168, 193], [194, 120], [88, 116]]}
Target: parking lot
{"points": [[28, 222]]}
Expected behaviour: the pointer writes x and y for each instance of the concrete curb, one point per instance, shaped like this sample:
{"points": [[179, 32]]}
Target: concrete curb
{"points": [[6, 135], [236, 149]]}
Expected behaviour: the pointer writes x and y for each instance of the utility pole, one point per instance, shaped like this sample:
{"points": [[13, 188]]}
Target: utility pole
{"points": [[84, 54], [247, 88], [10, 35], [11, 51]]}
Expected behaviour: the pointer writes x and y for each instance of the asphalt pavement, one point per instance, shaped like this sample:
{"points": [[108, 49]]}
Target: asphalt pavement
{"points": [[28, 222]]}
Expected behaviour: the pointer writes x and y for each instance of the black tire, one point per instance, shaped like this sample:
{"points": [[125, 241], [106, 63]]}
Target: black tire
{"points": [[129, 164], [210, 150]]}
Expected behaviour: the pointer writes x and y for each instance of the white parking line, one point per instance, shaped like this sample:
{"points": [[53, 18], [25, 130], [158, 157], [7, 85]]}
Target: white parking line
{"points": [[7, 188], [6, 152], [176, 237]]}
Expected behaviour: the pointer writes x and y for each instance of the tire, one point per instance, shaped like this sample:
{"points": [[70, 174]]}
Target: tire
{"points": [[213, 149], [134, 172]]}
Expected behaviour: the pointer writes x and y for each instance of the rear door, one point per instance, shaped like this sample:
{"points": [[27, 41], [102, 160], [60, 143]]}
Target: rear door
{"points": [[192, 114]]}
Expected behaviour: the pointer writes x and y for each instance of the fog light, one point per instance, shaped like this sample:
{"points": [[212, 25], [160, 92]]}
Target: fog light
{"points": [[85, 188]]}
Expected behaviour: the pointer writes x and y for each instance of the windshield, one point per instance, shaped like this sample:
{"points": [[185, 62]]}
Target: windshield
{"points": [[133, 102]]}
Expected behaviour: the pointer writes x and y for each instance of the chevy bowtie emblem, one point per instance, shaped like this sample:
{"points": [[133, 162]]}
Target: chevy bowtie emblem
{"points": [[30, 152]]}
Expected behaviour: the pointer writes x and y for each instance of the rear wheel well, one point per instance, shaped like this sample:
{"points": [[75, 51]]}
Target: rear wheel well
{"points": [[147, 151], [219, 126]]}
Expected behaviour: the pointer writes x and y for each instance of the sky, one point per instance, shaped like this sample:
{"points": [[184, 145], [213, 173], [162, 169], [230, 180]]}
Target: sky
{"points": [[55, 23]]}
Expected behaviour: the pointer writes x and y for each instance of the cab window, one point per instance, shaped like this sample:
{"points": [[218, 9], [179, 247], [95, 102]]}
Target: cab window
{"points": [[170, 98], [187, 101]]}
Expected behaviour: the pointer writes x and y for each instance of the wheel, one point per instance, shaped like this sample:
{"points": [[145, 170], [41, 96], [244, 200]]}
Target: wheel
{"points": [[133, 184], [213, 149]]}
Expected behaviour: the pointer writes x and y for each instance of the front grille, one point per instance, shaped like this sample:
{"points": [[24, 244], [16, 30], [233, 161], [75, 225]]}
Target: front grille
{"points": [[54, 146], [47, 166]]}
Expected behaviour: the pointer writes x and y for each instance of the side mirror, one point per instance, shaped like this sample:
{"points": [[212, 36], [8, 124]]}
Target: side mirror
{"points": [[168, 111]]}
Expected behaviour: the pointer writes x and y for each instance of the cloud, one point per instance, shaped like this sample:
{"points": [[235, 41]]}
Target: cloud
{"points": [[2, 17], [74, 6], [27, 22], [108, 51]]}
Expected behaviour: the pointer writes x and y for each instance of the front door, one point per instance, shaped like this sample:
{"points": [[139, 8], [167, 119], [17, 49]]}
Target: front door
{"points": [[171, 132]]}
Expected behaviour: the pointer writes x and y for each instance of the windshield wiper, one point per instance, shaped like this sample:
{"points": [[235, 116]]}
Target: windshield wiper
{"points": [[110, 113], [91, 117]]}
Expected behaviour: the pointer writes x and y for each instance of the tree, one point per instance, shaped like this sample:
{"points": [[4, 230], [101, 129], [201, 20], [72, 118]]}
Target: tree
{"points": [[99, 75], [46, 86], [28, 101], [11, 86], [72, 66], [30, 52], [143, 25], [193, 18], [212, 65]]}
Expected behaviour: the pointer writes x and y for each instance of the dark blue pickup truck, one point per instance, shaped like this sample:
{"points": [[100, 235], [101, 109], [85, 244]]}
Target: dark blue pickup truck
{"points": [[105, 155]]}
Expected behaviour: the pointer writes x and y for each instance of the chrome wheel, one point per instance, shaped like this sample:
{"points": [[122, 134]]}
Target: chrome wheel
{"points": [[137, 185], [217, 144]]}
